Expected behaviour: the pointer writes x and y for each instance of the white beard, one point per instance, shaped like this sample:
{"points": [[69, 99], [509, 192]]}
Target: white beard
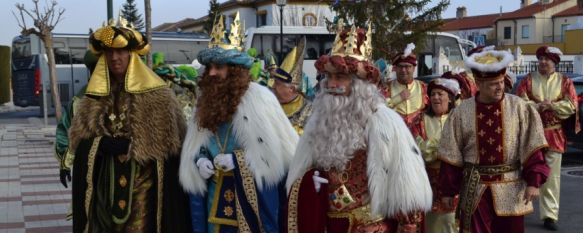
{"points": [[336, 128]]}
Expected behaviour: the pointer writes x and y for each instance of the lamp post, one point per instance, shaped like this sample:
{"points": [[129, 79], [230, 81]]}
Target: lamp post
{"points": [[281, 4]]}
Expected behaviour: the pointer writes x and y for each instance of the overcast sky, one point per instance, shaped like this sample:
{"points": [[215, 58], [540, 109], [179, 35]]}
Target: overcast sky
{"points": [[80, 15]]}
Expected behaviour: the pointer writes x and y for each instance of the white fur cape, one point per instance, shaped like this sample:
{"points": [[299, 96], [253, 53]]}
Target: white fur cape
{"points": [[397, 179], [260, 128]]}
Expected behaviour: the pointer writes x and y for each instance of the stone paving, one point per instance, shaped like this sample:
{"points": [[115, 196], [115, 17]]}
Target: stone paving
{"points": [[31, 196]]}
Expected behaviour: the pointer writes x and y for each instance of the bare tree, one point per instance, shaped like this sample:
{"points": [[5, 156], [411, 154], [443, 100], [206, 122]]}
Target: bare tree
{"points": [[44, 21], [148, 28]]}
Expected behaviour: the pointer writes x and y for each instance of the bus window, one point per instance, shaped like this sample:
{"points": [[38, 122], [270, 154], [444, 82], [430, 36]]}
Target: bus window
{"points": [[77, 55], [61, 51], [21, 48], [316, 45], [450, 46]]}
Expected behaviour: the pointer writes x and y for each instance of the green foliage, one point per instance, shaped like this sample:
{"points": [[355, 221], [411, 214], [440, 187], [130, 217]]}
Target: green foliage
{"points": [[214, 11], [390, 20], [189, 72], [130, 12], [157, 59], [252, 52]]}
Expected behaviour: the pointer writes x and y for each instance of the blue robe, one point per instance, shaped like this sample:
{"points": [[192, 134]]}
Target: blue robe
{"points": [[269, 199]]}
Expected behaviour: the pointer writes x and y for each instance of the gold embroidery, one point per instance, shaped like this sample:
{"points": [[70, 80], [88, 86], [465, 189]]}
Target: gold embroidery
{"points": [[499, 148], [482, 133], [219, 177], [492, 159], [482, 151], [241, 221], [497, 112], [89, 178], [292, 217], [489, 122], [499, 130], [248, 185], [228, 211], [122, 204], [160, 168], [229, 195], [491, 141], [123, 181], [480, 116]]}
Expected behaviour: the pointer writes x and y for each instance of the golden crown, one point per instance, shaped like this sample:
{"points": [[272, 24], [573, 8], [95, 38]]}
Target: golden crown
{"points": [[236, 36], [346, 43]]}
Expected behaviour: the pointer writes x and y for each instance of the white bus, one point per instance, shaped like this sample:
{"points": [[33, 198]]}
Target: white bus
{"points": [[319, 41], [266, 39], [30, 68]]}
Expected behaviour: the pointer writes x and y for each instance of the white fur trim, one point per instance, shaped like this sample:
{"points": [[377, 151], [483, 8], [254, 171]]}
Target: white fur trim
{"points": [[507, 58], [408, 49], [397, 179], [554, 50], [489, 48], [260, 128], [451, 84]]}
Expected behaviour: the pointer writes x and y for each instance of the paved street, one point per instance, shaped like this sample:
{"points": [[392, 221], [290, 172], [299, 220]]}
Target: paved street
{"points": [[31, 197], [33, 200]]}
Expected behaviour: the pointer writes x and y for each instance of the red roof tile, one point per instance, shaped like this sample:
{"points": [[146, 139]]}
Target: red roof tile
{"points": [[529, 11], [573, 11], [478, 21]]}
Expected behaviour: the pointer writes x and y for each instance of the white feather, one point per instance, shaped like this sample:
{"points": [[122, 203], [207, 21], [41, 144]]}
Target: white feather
{"points": [[507, 58], [398, 182], [260, 128], [408, 49]]}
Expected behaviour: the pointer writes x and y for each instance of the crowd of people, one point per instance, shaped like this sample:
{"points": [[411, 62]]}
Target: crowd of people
{"points": [[241, 150]]}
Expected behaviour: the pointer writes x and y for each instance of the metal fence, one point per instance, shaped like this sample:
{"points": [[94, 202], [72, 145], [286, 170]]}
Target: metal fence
{"points": [[562, 67]]}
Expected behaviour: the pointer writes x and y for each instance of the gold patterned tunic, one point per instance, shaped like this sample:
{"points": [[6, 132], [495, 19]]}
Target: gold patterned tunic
{"points": [[298, 111]]}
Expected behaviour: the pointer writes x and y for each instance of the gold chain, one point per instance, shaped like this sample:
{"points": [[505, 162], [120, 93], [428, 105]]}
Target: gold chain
{"points": [[223, 146]]}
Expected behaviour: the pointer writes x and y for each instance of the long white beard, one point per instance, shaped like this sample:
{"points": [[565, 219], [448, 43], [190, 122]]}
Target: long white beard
{"points": [[336, 128]]}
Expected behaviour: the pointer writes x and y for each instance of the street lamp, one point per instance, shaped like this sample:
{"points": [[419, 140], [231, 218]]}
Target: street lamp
{"points": [[281, 4]]}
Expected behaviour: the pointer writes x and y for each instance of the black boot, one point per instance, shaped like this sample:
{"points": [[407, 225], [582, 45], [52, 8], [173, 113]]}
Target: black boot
{"points": [[551, 224]]}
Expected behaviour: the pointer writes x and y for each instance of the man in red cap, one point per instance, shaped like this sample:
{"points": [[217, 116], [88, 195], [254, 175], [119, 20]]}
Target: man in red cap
{"points": [[356, 168], [554, 96], [491, 150], [405, 95]]}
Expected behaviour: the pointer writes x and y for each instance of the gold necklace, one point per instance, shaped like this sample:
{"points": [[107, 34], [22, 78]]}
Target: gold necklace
{"points": [[223, 146]]}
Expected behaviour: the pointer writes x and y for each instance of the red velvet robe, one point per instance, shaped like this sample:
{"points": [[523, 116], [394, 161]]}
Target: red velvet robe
{"points": [[310, 211]]}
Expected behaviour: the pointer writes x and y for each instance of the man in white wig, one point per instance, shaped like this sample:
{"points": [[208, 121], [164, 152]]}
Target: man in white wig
{"points": [[357, 167]]}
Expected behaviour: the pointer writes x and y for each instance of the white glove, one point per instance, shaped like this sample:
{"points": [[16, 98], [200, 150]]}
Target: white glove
{"points": [[224, 162], [318, 181], [205, 168]]}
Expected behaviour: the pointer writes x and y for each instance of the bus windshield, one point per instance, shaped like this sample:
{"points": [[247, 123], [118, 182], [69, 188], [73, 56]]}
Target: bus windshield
{"points": [[21, 48], [316, 45]]}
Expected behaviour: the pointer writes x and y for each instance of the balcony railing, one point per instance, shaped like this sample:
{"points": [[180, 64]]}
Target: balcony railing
{"points": [[562, 67]]}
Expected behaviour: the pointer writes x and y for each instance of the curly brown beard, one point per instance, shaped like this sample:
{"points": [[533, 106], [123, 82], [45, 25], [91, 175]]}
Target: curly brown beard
{"points": [[220, 97]]}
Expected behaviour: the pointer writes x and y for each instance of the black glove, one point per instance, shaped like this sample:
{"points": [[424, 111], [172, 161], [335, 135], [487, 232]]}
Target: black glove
{"points": [[65, 176], [114, 146]]}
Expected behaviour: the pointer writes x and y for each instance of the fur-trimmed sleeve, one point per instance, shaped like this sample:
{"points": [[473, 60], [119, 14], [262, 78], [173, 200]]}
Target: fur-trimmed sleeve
{"points": [[189, 176], [269, 140], [398, 182]]}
